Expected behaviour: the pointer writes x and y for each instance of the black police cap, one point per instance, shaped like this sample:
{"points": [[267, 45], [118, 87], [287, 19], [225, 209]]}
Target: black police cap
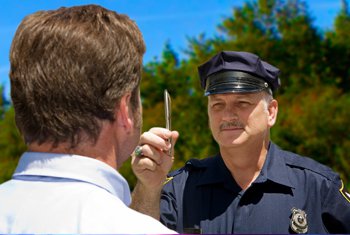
{"points": [[237, 72]]}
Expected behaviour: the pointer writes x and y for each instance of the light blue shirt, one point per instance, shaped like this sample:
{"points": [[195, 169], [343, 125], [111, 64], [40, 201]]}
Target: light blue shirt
{"points": [[60, 193]]}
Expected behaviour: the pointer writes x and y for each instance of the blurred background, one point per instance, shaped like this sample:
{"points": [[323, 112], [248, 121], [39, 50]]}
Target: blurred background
{"points": [[307, 40]]}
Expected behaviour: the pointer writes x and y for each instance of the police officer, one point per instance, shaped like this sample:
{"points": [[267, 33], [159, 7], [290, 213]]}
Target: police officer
{"points": [[251, 185]]}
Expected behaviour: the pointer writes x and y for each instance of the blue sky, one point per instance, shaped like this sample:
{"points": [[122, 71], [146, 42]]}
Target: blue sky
{"points": [[159, 20]]}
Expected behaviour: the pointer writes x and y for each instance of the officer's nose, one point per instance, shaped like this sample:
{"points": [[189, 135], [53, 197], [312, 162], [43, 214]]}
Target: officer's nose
{"points": [[230, 113]]}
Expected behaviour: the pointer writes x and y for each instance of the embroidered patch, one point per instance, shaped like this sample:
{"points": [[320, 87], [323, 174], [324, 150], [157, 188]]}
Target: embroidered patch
{"points": [[167, 180], [343, 191]]}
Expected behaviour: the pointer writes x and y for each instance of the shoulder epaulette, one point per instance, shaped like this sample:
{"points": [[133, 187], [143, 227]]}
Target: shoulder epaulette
{"points": [[191, 165], [176, 172], [200, 163], [310, 164]]}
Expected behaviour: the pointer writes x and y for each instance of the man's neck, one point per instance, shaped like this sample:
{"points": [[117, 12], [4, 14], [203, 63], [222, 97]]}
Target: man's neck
{"points": [[245, 162], [102, 150]]}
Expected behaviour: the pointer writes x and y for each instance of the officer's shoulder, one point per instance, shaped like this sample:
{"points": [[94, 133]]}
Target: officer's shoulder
{"points": [[192, 165], [308, 164]]}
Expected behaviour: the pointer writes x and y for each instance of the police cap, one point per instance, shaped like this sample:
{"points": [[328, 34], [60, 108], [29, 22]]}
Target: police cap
{"points": [[237, 72]]}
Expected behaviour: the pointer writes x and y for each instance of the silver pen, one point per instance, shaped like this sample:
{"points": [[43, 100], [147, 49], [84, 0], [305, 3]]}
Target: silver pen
{"points": [[167, 109]]}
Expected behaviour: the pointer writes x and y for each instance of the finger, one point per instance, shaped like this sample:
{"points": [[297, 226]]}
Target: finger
{"points": [[153, 153], [161, 132], [174, 138], [145, 163], [157, 138], [166, 134]]}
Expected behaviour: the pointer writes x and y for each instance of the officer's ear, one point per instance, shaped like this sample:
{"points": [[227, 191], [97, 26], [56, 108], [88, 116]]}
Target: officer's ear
{"points": [[272, 110]]}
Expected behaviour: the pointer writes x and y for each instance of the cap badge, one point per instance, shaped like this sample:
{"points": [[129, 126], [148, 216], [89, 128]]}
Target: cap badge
{"points": [[298, 222]]}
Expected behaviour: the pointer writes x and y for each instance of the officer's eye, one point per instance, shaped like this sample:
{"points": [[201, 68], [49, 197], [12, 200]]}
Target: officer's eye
{"points": [[217, 106], [244, 103]]}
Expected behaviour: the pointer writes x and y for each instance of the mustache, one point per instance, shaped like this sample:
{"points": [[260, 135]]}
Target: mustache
{"points": [[235, 124]]}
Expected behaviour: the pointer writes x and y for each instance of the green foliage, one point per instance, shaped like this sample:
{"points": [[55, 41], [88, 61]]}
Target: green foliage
{"points": [[4, 103], [314, 99], [316, 124], [337, 53], [11, 144]]}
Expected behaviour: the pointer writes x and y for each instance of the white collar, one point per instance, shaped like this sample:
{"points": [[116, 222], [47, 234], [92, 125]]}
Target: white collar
{"points": [[74, 167]]}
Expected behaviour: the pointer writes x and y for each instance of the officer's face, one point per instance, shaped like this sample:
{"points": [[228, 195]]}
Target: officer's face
{"points": [[241, 118]]}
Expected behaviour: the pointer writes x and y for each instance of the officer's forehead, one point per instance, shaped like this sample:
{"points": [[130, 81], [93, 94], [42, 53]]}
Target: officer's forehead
{"points": [[251, 95]]}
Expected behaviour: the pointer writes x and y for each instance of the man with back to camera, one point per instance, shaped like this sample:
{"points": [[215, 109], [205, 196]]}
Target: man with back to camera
{"points": [[75, 76], [251, 186]]}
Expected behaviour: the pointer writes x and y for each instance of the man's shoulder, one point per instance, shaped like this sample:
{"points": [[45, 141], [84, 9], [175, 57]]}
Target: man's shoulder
{"points": [[307, 164], [103, 206]]}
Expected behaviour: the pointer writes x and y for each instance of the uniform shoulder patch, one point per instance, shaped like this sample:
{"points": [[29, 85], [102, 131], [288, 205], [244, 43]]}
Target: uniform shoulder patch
{"points": [[344, 192], [175, 172], [172, 174], [168, 179], [190, 165]]}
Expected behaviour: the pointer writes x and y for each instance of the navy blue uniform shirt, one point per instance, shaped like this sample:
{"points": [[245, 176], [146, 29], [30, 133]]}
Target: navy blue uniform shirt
{"points": [[203, 197]]}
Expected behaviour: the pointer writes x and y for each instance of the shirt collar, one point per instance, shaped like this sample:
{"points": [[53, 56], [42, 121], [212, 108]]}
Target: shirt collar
{"points": [[74, 167], [216, 172], [275, 168]]}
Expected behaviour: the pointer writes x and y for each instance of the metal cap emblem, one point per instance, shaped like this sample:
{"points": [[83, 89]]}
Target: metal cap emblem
{"points": [[298, 222]]}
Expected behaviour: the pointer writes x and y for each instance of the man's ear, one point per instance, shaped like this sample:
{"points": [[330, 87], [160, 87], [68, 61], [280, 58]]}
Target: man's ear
{"points": [[123, 113], [273, 110]]}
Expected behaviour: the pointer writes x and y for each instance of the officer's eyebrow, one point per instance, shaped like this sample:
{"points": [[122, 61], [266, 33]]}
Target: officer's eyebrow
{"points": [[217, 97]]}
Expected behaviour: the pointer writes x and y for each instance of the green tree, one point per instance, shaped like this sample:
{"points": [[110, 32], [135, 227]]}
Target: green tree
{"points": [[11, 143], [338, 50], [314, 98], [316, 124], [4, 103]]}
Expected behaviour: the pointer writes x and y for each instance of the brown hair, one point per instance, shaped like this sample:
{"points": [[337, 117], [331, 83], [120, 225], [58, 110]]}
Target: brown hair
{"points": [[69, 69]]}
